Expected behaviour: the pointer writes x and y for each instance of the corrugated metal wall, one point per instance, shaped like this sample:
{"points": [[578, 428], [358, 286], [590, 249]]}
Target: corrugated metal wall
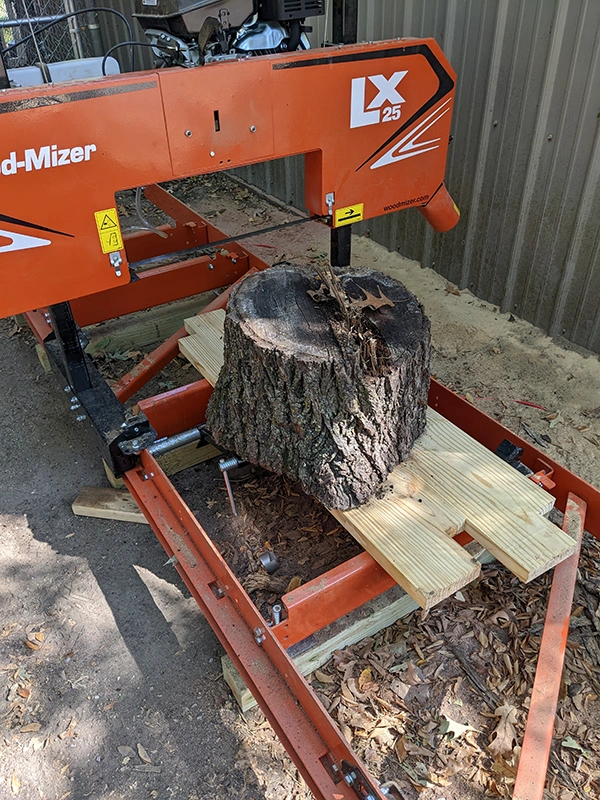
{"points": [[113, 32], [525, 161]]}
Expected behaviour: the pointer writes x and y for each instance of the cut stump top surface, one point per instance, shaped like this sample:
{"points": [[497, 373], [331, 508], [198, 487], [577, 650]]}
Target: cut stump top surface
{"points": [[276, 310]]}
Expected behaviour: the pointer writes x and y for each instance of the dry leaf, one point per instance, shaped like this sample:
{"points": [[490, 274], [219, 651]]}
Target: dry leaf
{"points": [[505, 735], [450, 289], [400, 749], [293, 584], [143, 754], [22, 691], [346, 732], [125, 750], [371, 301], [15, 783], [32, 727], [413, 675], [455, 728], [69, 730], [39, 636], [400, 688], [32, 645], [323, 677], [366, 676]]}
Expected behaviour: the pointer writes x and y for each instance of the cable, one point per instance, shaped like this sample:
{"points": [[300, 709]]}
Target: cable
{"points": [[145, 224], [63, 17], [122, 44]]}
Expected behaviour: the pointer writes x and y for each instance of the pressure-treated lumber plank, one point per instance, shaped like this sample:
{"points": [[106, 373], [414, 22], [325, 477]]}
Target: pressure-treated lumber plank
{"points": [[367, 620], [184, 457], [105, 503], [143, 328], [205, 347], [504, 511], [410, 535], [449, 470]]}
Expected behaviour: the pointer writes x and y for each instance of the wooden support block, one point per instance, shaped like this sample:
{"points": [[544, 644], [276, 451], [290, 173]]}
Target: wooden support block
{"points": [[187, 456], [173, 462], [116, 483], [105, 503], [205, 347], [143, 328], [43, 357], [410, 535], [368, 620]]}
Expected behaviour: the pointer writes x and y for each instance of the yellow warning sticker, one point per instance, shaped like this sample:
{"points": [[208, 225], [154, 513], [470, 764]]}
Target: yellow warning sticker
{"points": [[350, 214], [109, 230]]}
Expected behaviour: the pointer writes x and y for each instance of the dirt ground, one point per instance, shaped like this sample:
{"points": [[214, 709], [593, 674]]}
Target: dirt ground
{"points": [[110, 680]]}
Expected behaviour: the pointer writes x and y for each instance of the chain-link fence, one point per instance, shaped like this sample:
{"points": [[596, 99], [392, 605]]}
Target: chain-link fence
{"points": [[62, 41]]}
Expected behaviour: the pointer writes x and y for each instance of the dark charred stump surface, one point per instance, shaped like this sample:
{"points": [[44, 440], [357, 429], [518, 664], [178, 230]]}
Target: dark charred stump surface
{"points": [[330, 397]]}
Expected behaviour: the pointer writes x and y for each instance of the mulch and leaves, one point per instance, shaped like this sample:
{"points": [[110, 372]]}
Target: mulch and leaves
{"points": [[440, 699], [276, 516]]}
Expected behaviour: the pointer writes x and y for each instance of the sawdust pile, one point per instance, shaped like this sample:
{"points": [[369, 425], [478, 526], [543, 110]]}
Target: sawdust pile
{"points": [[440, 699]]}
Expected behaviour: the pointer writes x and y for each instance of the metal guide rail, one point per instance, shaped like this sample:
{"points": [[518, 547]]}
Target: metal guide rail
{"points": [[258, 651]]}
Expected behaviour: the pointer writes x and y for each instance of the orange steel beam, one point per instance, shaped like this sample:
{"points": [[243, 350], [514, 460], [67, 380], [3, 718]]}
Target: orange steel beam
{"points": [[178, 409], [533, 763], [307, 732], [373, 121], [161, 285], [145, 244]]}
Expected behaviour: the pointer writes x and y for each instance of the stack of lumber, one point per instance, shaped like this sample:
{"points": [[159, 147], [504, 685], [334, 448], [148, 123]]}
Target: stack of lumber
{"points": [[449, 483]]}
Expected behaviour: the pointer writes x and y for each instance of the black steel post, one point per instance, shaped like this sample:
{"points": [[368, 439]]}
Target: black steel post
{"points": [[340, 246], [67, 336], [345, 22]]}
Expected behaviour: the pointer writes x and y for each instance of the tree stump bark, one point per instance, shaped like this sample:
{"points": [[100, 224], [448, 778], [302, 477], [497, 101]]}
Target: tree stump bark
{"points": [[331, 397]]}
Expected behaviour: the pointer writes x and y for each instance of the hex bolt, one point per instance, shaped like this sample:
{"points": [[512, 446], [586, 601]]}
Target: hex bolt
{"points": [[211, 266], [259, 635], [75, 406], [68, 389], [74, 399], [252, 128], [81, 417], [276, 614], [350, 778], [135, 443], [188, 133], [212, 153]]}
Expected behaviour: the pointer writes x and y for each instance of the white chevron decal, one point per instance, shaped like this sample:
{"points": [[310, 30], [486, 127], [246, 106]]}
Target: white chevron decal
{"points": [[410, 145], [20, 241]]}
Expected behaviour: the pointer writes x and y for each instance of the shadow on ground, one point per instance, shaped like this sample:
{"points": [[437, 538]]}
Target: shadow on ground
{"points": [[101, 646]]}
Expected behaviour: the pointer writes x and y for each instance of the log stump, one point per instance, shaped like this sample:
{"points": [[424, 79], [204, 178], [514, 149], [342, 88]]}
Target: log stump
{"points": [[330, 396]]}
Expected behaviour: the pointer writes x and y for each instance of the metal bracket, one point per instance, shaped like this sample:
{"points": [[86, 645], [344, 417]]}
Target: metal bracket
{"points": [[358, 781]]}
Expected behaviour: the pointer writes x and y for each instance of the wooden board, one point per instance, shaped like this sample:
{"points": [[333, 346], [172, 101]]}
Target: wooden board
{"points": [[367, 620], [450, 482], [205, 348], [143, 328], [116, 503], [105, 503], [173, 462]]}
